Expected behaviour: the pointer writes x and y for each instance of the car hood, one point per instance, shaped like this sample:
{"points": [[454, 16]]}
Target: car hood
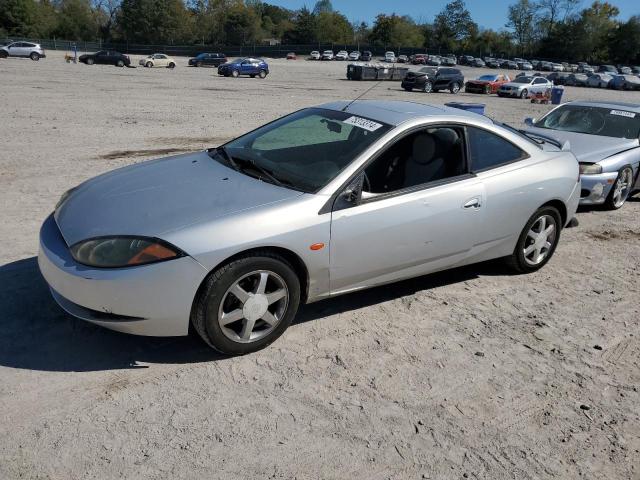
{"points": [[589, 148], [514, 84], [159, 196], [482, 82]]}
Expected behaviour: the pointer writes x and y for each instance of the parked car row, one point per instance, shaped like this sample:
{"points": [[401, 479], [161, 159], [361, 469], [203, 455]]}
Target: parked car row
{"points": [[597, 80]]}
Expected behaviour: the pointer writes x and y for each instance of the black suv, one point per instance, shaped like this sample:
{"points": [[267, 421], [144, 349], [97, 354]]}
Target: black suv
{"points": [[432, 79], [208, 60], [366, 56]]}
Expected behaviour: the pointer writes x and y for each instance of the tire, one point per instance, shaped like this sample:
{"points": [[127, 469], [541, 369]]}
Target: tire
{"points": [[235, 73], [198, 64], [487, 90], [524, 93], [454, 88], [428, 87], [172, 65], [522, 262], [120, 63], [148, 64], [90, 61], [34, 56], [262, 74], [216, 298], [620, 190]]}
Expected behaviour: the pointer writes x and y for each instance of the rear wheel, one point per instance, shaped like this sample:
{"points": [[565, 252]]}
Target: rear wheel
{"points": [[3, 54], [120, 63], [247, 304], [621, 189], [537, 242], [172, 65], [487, 89], [34, 56]]}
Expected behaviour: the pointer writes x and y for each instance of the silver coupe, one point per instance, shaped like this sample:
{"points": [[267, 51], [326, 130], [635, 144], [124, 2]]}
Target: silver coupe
{"points": [[321, 202], [605, 137]]}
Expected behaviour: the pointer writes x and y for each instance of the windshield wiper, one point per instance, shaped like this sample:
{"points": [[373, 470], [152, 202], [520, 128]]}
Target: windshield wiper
{"points": [[247, 162]]}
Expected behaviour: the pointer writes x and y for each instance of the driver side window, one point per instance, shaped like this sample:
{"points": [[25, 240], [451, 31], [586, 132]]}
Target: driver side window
{"points": [[426, 156]]}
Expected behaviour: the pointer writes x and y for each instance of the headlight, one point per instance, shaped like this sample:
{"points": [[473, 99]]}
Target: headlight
{"points": [[112, 252], [64, 197], [590, 169]]}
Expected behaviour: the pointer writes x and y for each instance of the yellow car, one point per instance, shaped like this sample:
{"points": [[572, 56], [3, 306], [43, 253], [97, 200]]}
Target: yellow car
{"points": [[158, 60]]}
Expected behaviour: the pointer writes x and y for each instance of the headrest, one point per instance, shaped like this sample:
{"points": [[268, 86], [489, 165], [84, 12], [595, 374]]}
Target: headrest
{"points": [[424, 148]]}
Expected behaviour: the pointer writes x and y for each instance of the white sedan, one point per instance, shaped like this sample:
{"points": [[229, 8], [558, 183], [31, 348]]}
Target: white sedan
{"points": [[524, 86], [158, 60]]}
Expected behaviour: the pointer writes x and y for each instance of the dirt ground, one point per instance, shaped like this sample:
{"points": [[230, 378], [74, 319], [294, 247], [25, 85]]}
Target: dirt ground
{"points": [[472, 373]]}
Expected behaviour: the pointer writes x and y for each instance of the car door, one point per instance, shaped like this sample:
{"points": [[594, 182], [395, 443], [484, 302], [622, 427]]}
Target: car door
{"points": [[101, 57], [404, 233], [161, 60], [17, 49], [539, 85]]}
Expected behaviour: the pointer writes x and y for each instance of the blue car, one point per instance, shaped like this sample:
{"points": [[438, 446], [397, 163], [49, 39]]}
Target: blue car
{"points": [[244, 66]]}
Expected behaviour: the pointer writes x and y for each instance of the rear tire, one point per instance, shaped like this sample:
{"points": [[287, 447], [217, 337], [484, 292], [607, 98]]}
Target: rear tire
{"points": [[216, 299], [172, 65], [34, 56], [532, 251], [120, 63], [3, 54]]}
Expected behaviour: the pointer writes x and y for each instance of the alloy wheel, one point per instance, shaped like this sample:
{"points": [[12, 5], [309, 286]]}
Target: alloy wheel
{"points": [[622, 187], [540, 240], [253, 306]]}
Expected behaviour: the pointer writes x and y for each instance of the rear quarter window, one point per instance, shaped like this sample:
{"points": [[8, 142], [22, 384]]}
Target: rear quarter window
{"points": [[488, 150]]}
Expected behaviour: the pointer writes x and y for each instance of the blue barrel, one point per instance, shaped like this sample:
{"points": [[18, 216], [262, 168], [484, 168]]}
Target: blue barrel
{"points": [[556, 94], [471, 107]]}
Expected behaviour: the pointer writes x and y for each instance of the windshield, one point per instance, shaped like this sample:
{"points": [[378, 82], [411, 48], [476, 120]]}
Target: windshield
{"points": [[606, 122], [304, 150], [428, 70], [523, 80], [488, 78]]}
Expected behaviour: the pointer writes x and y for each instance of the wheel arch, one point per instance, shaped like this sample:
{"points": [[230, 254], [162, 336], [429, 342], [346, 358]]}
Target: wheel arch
{"points": [[299, 267], [561, 207]]}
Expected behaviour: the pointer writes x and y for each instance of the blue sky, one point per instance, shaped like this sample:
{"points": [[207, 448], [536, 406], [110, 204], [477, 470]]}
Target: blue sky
{"points": [[487, 13]]}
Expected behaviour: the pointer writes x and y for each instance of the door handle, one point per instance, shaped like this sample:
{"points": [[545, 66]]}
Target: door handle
{"points": [[473, 203]]}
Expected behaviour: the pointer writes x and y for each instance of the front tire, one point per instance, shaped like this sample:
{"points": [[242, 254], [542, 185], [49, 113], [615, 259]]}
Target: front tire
{"points": [[235, 73], [262, 74], [148, 64], [454, 88], [524, 93], [620, 190], [90, 61], [537, 242], [428, 87], [247, 304]]}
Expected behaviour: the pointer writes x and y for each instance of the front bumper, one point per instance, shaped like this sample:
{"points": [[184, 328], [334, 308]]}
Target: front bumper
{"points": [[476, 88], [595, 188], [509, 93], [152, 299]]}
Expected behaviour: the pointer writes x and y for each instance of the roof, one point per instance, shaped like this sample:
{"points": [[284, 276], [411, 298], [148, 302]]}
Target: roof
{"points": [[633, 107], [397, 112]]}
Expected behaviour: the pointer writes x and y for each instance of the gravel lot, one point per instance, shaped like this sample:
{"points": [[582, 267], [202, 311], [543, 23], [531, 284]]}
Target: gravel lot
{"points": [[472, 373]]}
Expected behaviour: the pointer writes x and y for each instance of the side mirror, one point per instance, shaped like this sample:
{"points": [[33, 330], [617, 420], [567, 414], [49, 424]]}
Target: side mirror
{"points": [[529, 121], [351, 195]]}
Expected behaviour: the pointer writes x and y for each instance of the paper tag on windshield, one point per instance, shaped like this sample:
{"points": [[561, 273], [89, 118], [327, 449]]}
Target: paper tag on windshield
{"points": [[369, 125], [622, 113]]}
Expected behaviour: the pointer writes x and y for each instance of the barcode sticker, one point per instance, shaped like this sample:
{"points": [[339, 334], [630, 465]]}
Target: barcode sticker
{"points": [[622, 113], [369, 125]]}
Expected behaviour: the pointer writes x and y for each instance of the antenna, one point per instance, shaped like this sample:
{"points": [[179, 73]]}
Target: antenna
{"points": [[365, 92]]}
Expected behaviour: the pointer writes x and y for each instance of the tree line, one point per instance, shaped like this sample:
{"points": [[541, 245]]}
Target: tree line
{"points": [[535, 28]]}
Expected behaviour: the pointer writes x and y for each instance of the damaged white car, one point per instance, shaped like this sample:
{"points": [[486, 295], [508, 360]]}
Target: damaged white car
{"points": [[604, 136]]}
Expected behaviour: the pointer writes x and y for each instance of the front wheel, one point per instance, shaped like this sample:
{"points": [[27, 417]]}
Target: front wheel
{"points": [[487, 89], [537, 242], [90, 61], [428, 87], [235, 73], [262, 74], [454, 88], [620, 190], [524, 93], [34, 56], [148, 65], [247, 304]]}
